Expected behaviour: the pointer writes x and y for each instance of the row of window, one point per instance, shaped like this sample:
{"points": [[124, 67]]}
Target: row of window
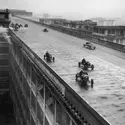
{"points": [[115, 32], [29, 71], [35, 77], [20, 107]]}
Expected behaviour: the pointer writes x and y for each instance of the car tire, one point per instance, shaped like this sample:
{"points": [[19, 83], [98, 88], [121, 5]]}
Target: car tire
{"points": [[92, 82], [53, 59], [78, 64], [76, 77], [44, 56], [92, 67]]}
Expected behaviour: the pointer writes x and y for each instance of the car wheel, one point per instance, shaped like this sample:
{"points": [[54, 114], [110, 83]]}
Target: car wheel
{"points": [[76, 77], [53, 59], [92, 82], [92, 67], [44, 56], [78, 64]]}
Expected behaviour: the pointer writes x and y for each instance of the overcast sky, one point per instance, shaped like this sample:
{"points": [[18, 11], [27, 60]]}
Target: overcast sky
{"points": [[83, 8]]}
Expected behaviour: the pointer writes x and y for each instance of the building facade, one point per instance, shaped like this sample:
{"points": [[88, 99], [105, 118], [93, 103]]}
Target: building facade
{"points": [[4, 18], [20, 12], [110, 33], [114, 34]]}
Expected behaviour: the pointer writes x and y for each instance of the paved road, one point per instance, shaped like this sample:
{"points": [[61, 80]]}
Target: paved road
{"points": [[108, 95]]}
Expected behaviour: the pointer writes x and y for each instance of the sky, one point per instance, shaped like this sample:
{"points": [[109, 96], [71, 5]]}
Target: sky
{"points": [[70, 8]]}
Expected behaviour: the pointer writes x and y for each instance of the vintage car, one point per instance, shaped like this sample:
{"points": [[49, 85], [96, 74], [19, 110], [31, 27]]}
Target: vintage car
{"points": [[83, 79], [16, 28], [89, 45], [26, 25], [48, 57], [45, 30], [85, 65], [20, 25]]}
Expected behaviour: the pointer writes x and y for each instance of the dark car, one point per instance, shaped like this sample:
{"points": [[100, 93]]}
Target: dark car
{"points": [[45, 30], [48, 57], [83, 79], [26, 25], [89, 45], [85, 65]]}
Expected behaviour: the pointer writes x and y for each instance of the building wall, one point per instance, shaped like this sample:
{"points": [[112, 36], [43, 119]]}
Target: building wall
{"points": [[20, 12], [34, 101], [124, 42], [103, 22], [114, 34], [4, 64]]}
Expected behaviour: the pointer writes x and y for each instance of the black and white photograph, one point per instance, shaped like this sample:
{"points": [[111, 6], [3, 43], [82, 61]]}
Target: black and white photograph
{"points": [[62, 62]]}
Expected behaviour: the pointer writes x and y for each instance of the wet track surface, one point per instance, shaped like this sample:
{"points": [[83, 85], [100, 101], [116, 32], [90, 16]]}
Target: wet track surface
{"points": [[108, 95]]}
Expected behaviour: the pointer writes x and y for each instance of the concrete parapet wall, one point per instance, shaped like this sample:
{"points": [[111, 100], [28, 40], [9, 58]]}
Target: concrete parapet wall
{"points": [[110, 44]]}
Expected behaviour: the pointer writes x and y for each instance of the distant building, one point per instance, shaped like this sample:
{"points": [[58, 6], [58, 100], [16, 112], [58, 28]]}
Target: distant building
{"points": [[4, 18], [51, 21], [86, 24], [111, 33], [85, 27], [20, 12], [103, 22], [114, 34], [109, 30], [45, 15], [48, 16]]}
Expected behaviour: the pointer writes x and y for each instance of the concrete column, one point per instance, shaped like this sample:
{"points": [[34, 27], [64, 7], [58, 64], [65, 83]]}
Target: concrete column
{"points": [[30, 90], [106, 32], [124, 33], [36, 99], [114, 40], [55, 114], [70, 121], [124, 42], [120, 41], [100, 31], [15, 53], [30, 73], [115, 32], [30, 106], [44, 105], [22, 63], [97, 30]]}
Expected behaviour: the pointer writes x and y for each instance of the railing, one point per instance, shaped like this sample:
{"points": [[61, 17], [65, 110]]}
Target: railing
{"points": [[74, 104]]}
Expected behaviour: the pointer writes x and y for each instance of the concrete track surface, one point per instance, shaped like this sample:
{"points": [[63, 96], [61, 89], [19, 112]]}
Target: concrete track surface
{"points": [[108, 95]]}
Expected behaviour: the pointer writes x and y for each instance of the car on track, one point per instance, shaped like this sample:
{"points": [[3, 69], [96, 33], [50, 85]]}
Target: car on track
{"points": [[26, 25], [85, 65], [48, 57], [83, 79], [45, 30], [89, 45]]}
